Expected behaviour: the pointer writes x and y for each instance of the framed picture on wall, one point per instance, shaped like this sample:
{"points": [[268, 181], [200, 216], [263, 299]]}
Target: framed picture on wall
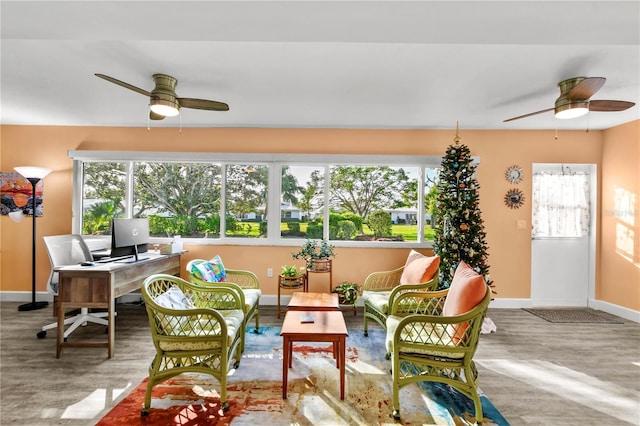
{"points": [[16, 193]]}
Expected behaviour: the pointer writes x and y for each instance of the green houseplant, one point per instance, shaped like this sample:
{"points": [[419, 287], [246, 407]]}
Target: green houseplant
{"points": [[316, 254], [290, 271], [292, 276], [347, 293]]}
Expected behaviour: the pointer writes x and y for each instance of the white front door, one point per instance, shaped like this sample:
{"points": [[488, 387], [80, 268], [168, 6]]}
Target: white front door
{"points": [[562, 269]]}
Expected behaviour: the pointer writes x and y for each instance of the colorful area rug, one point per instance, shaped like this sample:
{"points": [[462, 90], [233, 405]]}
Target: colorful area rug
{"points": [[573, 315], [254, 391]]}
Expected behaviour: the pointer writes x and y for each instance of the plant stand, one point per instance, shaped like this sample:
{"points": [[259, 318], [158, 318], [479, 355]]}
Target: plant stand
{"points": [[322, 266], [348, 308], [291, 283]]}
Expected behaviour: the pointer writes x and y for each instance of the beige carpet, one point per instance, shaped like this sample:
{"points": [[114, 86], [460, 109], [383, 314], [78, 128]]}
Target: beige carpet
{"points": [[573, 315]]}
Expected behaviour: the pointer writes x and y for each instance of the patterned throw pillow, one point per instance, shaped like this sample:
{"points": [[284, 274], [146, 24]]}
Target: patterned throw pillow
{"points": [[212, 271], [219, 273]]}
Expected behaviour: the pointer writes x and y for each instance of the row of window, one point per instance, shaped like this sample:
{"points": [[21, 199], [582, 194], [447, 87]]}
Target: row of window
{"points": [[239, 198]]}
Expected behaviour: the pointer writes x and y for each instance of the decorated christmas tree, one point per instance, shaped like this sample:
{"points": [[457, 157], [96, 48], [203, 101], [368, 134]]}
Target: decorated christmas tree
{"points": [[459, 229]]}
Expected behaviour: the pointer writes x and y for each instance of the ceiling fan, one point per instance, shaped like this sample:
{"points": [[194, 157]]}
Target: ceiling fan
{"points": [[574, 99], [163, 100]]}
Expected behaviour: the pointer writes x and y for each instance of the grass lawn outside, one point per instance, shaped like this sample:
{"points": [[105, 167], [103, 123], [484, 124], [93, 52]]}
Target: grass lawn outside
{"points": [[407, 232]]}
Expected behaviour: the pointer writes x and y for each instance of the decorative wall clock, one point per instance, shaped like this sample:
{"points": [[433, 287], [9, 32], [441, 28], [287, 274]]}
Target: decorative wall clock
{"points": [[514, 174], [514, 198]]}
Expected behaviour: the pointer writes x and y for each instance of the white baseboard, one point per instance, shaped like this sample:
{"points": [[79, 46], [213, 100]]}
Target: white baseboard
{"points": [[272, 300]]}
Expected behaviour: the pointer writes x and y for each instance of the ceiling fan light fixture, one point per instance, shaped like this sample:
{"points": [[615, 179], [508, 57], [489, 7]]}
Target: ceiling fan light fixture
{"points": [[164, 107], [571, 110]]}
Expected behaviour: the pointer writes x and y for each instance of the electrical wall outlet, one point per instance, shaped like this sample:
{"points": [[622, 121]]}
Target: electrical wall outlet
{"points": [[269, 272]]}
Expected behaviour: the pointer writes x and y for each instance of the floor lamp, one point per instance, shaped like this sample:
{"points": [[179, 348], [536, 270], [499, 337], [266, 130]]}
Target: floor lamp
{"points": [[33, 175]]}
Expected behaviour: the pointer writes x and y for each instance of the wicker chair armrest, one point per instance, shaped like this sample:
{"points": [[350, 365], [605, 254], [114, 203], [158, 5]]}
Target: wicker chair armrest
{"points": [[245, 279], [383, 280], [225, 284], [439, 332], [419, 302], [188, 324], [430, 285], [227, 296]]}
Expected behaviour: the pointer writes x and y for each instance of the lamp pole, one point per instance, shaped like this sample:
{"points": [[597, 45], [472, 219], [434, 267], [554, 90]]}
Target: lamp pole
{"points": [[33, 175]]}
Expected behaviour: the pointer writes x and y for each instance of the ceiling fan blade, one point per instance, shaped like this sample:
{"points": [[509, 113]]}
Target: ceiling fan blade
{"points": [[154, 116], [609, 106], [203, 104], [528, 115], [123, 84], [586, 88]]}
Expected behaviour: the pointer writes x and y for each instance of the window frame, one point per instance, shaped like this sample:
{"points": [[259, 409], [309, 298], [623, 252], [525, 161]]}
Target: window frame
{"points": [[275, 162]]}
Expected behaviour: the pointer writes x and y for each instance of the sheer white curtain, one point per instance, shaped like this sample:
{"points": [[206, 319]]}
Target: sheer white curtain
{"points": [[562, 204]]}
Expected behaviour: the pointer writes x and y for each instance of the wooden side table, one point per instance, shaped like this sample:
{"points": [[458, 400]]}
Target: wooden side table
{"points": [[327, 326], [306, 301], [291, 283]]}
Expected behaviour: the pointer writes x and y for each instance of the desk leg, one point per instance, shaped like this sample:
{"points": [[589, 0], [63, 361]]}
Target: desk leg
{"points": [[111, 326], [285, 365], [341, 360], [60, 336]]}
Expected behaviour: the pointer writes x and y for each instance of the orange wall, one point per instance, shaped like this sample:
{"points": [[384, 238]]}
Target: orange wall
{"points": [[509, 248], [620, 173]]}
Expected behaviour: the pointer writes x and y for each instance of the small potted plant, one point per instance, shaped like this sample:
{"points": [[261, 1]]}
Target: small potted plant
{"points": [[347, 293], [316, 254], [291, 276]]}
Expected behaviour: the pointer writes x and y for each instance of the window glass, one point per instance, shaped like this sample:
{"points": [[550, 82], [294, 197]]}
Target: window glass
{"points": [[246, 195], [178, 198], [365, 199], [302, 201], [430, 197], [373, 203], [103, 196]]}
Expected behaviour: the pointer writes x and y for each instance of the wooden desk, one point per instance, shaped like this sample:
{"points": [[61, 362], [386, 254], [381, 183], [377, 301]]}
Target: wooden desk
{"points": [[328, 326], [98, 287]]}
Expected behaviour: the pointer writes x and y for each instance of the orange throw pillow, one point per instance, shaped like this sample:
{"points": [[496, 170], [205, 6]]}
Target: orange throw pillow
{"points": [[419, 268], [467, 289]]}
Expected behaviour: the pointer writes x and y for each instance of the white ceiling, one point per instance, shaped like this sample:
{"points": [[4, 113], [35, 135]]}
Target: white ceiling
{"points": [[325, 64]]}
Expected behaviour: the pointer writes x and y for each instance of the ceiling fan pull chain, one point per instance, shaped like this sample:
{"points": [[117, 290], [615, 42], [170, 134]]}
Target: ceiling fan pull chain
{"points": [[556, 138], [588, 122]]}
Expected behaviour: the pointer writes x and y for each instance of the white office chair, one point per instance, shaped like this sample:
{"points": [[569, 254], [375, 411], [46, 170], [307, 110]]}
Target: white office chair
{"points": [[66, 250]]}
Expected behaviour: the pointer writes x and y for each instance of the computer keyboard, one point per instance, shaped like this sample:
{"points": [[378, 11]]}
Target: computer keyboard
{"points": [[113, 259]]}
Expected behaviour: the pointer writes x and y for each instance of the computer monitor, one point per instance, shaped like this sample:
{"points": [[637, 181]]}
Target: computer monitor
{"points": [[129, 237]]}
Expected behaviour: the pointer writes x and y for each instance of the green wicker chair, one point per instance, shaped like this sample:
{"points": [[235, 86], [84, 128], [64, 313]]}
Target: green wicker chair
{"points": [[205, 336], [430, 347], [245, 282], [380, 290]]}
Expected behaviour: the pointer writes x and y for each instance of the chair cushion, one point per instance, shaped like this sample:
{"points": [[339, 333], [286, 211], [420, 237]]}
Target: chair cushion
{"points": [[419, 268], [428, 340], [212, 271], [378, 299], [232, 317], [251, 298]]}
